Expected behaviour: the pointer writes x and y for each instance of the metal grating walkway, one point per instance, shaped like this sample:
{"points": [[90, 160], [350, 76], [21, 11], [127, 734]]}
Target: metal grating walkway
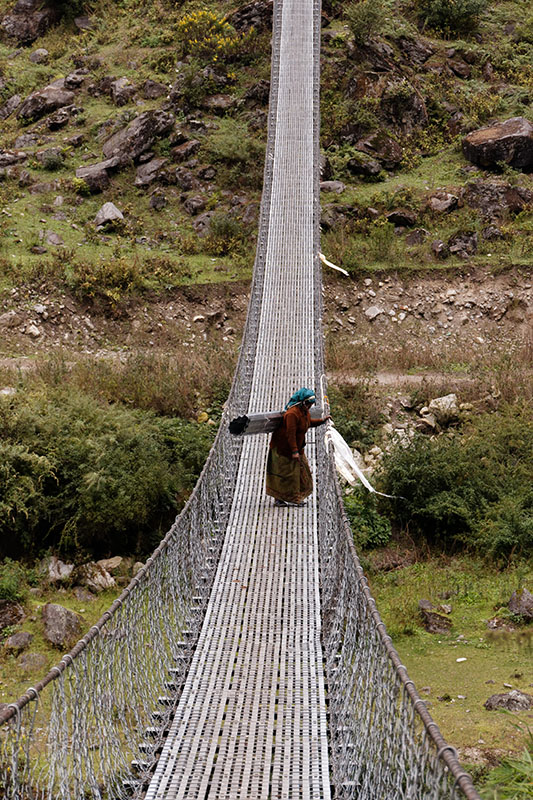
{"points": [[251, 722]]}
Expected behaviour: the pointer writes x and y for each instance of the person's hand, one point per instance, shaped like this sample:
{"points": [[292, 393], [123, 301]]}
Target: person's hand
{"points": [[296, 456]]}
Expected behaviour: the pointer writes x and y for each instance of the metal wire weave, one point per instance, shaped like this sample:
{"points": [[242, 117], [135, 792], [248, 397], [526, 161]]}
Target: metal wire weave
{"points": [[208, 676]]}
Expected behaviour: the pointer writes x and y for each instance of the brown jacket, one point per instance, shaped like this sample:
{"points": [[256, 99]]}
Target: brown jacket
{"points": [[289, 438]]}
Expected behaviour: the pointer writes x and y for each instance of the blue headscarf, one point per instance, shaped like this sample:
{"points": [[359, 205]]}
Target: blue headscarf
{"points": [[300, 396]]}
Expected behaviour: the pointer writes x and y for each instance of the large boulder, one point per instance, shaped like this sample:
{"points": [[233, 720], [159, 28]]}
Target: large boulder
{"points": [[139, 136], [149, 172], [92, 575], [29, 20], [43, 102], [256, 15], [107, 214], [434, 620], [10, 614], [381, 146], [10, 105], [445, 409], [122, 91], [403, 107], [521, 603], [509, 142], [61, 626], [56, 570], [18, 642], [510, 701], [496, 198], [96, 176]]}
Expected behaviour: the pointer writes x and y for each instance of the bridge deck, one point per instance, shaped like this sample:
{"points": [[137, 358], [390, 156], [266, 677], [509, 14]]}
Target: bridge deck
{"points": [[251, 722]]}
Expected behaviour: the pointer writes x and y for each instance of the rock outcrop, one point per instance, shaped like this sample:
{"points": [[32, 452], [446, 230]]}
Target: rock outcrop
{"points": [[509, 142], [29, 20]]}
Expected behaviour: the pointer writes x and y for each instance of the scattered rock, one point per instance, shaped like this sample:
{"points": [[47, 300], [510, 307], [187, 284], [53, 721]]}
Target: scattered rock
{"points": [[111, 565], [149, 172], [94, 577], [83, 595], [151, 90], [256, 15], [442, 201], [258, 94], [75, 79], [57, 571], [403, 107], [186, 150], [445, 409], [373, 312], [83, 23], [521, 603], [194, 205], [10, 157], [122, 91], [337, 187], [184, 179], [61, 625], [10, 614], [158, 201], [439, 249], [496, 199], [54, 239], [415, 51], [509, 142], [382, 147], [218, 104], [129, 143], [137, 568], [365, 165], [18, 642], [96, 176], [107, 213], [29, 20], [43, 102], [463, 244], [417, 236], [10, 105], [39, 56], [511, 701], [432, 619], [32, 662], [402, 217]]}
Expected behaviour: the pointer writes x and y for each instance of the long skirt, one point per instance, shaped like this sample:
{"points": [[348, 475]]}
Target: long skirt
{"points": [[288, 479]]}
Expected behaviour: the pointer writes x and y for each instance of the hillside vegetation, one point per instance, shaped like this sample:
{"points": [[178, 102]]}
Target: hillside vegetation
{"points": [[120, 325]]}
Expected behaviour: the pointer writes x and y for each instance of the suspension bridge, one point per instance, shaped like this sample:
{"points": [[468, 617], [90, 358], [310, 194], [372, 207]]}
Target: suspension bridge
{"points": [[247, 659]]}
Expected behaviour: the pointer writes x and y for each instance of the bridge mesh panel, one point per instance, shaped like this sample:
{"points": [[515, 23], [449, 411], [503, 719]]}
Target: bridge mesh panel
{"points": [[206, 677]]}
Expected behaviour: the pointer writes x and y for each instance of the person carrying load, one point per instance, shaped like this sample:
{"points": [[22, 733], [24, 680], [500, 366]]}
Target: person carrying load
{"points": [[288, 477]]}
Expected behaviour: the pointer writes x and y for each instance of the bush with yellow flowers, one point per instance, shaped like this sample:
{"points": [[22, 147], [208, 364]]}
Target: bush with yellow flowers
{"points": [[209, 37]]}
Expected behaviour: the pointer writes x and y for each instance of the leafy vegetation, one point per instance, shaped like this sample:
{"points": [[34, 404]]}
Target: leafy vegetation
{"points": [[452, 16], [85, 477], [370, 528], [513, 779], [472, 489]]}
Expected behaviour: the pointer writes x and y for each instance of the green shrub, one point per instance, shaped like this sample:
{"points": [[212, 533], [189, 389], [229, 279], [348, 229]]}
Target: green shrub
{"points": [[365, 18], [452, 16], [225, 235], [210, 38], [513, 778], [238, 155], [473, 489], [369, 528], [79, 474], [13, 581]]}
